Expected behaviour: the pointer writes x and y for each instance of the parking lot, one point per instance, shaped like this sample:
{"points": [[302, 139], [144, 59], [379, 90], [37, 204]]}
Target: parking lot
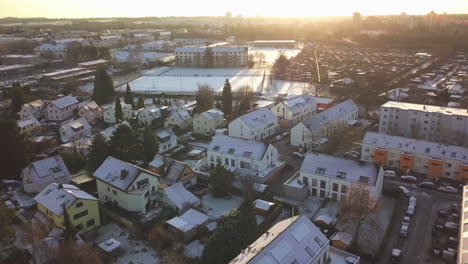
{"points": [[418, 246]]}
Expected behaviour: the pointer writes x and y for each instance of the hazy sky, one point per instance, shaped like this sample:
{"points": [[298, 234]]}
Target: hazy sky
{"points": [[302, 8]]}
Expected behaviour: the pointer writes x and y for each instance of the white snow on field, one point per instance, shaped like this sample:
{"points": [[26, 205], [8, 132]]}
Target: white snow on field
{"points": [[271, 54], [274, 87], [216, 207], [194, 249], [136, 252]]}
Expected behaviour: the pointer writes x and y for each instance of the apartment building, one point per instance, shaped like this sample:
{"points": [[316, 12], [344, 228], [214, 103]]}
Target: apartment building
{"points": [[256, 125], [313, 132], [406, 154], [462, 257], [214, 55], [331, 177], [427, 122], [296, 109]]}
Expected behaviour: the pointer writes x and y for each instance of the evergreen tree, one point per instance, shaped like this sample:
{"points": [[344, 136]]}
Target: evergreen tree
{"points": [[103, 87], [247, 223], [7, 233], [98, 152], [141, 102], [15, 152], [124, 144], [227, 98], [150, 145], [118, 111], [17, 98], [205, 98], [245, 99], [128, 99], [220, 180]]}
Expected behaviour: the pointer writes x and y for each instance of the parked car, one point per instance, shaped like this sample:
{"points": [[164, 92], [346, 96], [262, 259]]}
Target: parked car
{"points": [[285, 134], [412, 201], [406, 220], [404, 190], [427, 185], [447, 189], [404, 231], [409, 178], [410, 210], [389, 173], [278, 137], [300, 155], [442, 213], [396, 253], [451, 226], [455, 208]]}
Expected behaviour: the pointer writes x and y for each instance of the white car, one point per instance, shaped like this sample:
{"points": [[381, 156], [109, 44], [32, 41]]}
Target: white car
{"points": [[278, 137], [406, 220], [412, 200], [404, 190], [389, 173], [410, 210], [448, 189], [404, 231]]}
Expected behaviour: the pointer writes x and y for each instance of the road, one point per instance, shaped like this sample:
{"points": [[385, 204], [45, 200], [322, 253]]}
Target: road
{"points": [[417, 247]]}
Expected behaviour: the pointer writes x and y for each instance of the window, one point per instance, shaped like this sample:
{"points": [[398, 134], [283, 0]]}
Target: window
{"points": [[90, 223], [323, 184], [335, 187], [226, 161], [233, 162], [320, 171], [114, 192], [142, 182], [147, 194], [314, 182], [79, 204], [343, 188], [314, 192], [305, 180], [322, 194], [79, 227], [334, 196], [80, 214]]}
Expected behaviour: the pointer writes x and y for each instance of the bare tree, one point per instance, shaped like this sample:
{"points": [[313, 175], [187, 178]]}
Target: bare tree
{"points": [[357, 212]]}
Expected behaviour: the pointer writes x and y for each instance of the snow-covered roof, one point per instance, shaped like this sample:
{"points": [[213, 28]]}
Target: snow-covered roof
{"points": [[180, 196], [65, 101], [230, 49], [108, 132], [297, 103], [180, 114], [258, 117], [409, 145], [171, 169], [118, 174], [163, 133], [51, 167], [426, 108], [188, 220], [238, 147], [34, 106], [344, 237], [263, 205], [92, 63], [110, 245], [190, 49], [73, 127], [294, 240], [137, 56], [339, 168], [331, 114], [212, 114], [51, 47], [56, 195]]}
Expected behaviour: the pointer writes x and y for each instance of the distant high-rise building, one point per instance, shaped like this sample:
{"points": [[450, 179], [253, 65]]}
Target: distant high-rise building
{"points": [[357, 18]]}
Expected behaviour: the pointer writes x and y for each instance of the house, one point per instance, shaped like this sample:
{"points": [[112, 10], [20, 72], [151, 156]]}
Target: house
{"points": [[51, 51], [90, 111], [27, 125], [94, 65], [37, 175], [184, 227], [246, 158], [323, 103], [147, 115], [58, 200], [167, 139], [433, 159], [179, 118], [34, 108], [331, 177], [109, 112], [207, 122], [125, 185], [180, 198], [61, 109], [312, 133], [295, 109], [172, 171], [256, 125], [294, 240], [74, 130]]}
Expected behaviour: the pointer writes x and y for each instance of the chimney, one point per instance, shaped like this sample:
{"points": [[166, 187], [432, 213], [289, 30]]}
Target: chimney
{"points": [[123, 174], [60, 186]]}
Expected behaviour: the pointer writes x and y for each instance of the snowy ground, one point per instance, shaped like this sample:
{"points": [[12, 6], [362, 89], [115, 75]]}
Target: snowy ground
{"points": [[136, 252], [216, 207], [271, 54], [194, 249], [310, 206]]}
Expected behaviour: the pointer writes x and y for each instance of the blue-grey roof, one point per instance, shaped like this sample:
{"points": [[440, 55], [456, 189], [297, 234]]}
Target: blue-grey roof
{"points": [[330, 114], [258, 117], [238, 147], [334, 167], [53, 166], [65, 101]]}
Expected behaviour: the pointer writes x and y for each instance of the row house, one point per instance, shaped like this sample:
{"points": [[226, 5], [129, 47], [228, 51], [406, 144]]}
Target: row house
{"points": [[256, 125], [295, 109], [406, 154]]}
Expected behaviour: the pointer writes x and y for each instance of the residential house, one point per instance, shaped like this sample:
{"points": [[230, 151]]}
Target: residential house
{"points": [[90, 111], [313, 132], [27, 125], [172, 171], [74, 130], [125, 185], [207, 122], [295, 109], [40, 173], [61, 109], [178, 197], [34, 108], [58, 200], [435, 160], [184, 227], [109, 112], [147, 115], [426, 122], [179, 118], [246, 158], [51, 51], [295, 240], [332, 177], [167, 139], [256, 125]]}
